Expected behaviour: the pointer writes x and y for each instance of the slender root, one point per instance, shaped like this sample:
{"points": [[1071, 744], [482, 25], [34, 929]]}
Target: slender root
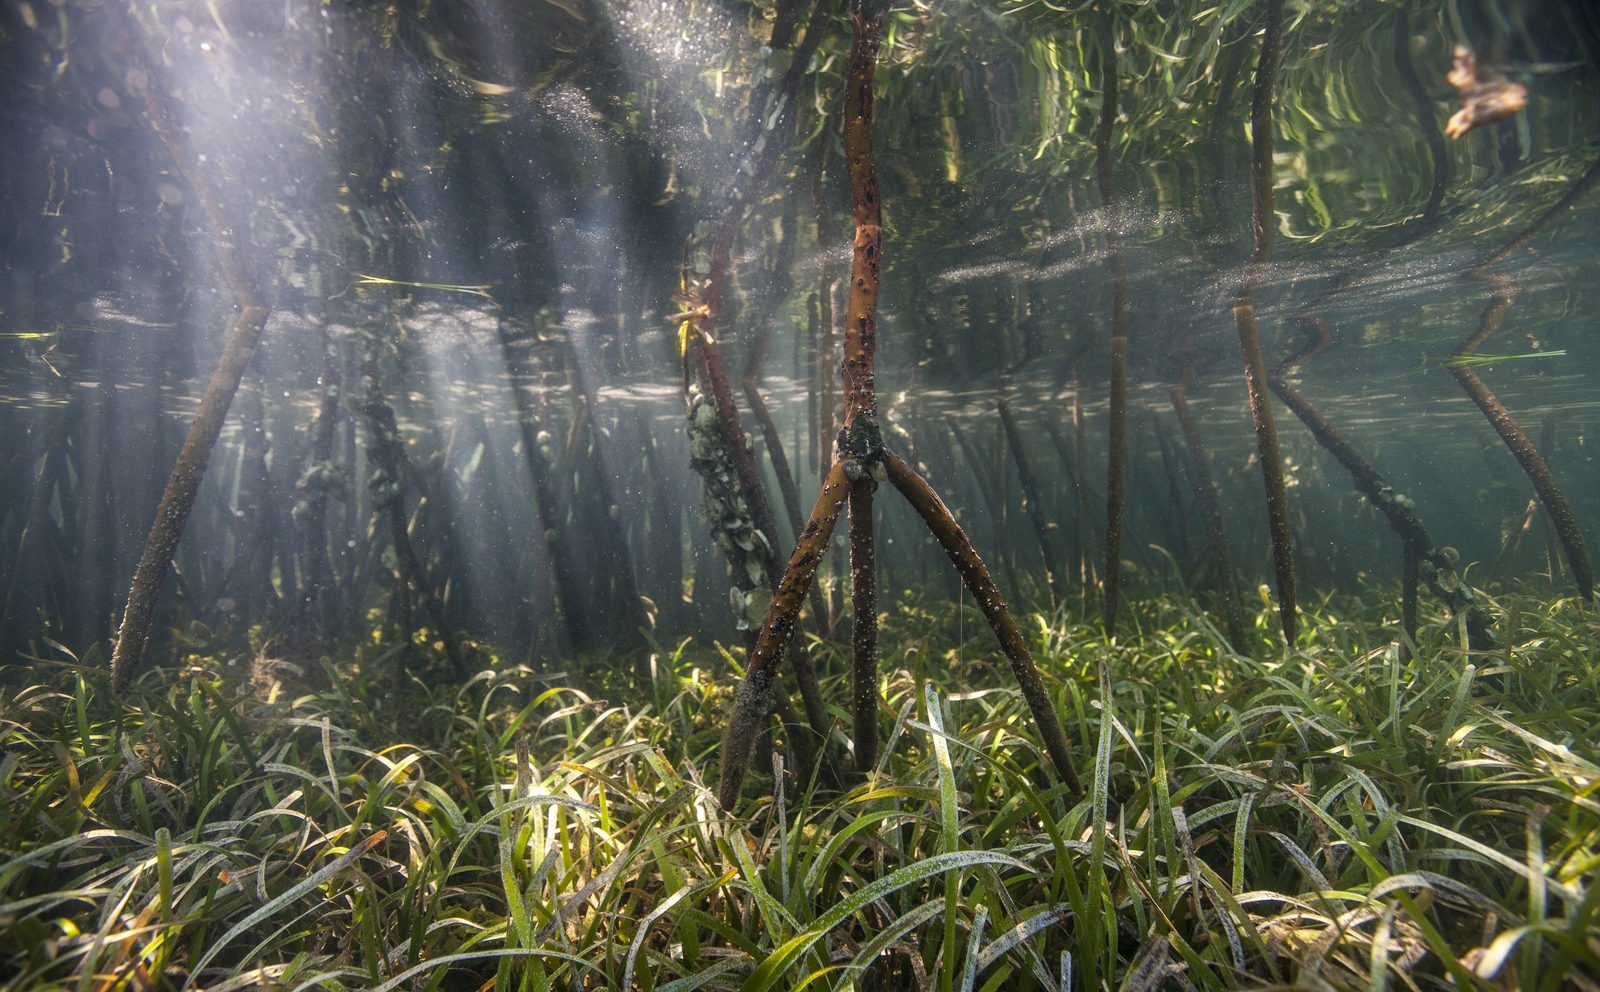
{"points": [[976, 577], [750, 706], [863, 626]]}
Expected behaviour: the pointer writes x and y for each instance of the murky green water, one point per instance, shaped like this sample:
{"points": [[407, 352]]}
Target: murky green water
{"points": [[478, 213]]}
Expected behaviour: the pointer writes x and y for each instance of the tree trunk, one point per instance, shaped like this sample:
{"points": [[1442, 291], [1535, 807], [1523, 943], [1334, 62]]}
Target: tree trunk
{"points": [[177, 499]]}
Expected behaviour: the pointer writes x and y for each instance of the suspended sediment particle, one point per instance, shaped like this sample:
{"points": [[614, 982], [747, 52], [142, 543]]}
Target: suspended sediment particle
{"points": [[1486, 95]]}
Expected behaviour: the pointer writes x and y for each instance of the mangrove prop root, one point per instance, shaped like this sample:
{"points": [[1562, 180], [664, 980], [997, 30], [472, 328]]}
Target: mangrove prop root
{"points": [[775, 452], [321, 480], [709, 311], [247, 577], [708, 365], [1422, 108], [400, 608], [1170, 469], [1555, 501], [1205, 488], [976, 578], [796, 734], [988, 491], [1402, 518], [751, 384], [1173, 469], [750, 706], [1073, 459], [747, 185], [636, 616], [1410, 569], [1117, 414], [1272, 473], [863, 626], [708, 360], [1262, 221], [538, 450], [805, 677], [1418, 550], [1543, 222], [812, 434], [1030, 495], [752, 177], [748, 551], [1080, 451], [827, 279], [1568, 531], [27, 569], [387, 452], [860, 444], [860, 338], [860, 459], [777, 290], [172, 513]]}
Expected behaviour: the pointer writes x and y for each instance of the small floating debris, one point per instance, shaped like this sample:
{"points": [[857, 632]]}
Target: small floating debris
{"points": [[480, 290], [1467, 361]]}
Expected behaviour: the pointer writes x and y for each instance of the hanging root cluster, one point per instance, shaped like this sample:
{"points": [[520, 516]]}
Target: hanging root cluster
{"points": [[384, 447], [326, 479], [1438, 569], [726, 510], [859, 448], [1434, 565]]}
